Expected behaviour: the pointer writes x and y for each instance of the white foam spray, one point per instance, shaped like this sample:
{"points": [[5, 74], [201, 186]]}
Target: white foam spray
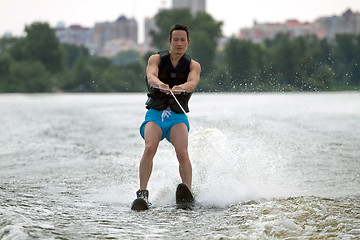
{"points": [[218, 176]]}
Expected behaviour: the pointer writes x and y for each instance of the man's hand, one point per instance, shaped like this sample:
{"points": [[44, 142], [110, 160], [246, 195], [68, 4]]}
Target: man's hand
{"points": [[164, 88], [178, 89]]}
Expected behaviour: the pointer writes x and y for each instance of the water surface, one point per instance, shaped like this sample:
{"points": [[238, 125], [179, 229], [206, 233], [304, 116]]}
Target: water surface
{"points": [[265, 166]]}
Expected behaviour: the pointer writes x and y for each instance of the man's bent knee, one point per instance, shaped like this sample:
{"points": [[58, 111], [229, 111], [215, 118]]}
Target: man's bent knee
{"points": [[150, 148], [182, 154]]}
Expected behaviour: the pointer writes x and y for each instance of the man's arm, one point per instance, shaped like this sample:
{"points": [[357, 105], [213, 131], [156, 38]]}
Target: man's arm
{"points": [[193, 78], [152, 72]]}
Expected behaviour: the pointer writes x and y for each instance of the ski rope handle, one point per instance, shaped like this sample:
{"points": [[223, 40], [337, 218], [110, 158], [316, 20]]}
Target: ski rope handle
{"points": [[172, 94]]}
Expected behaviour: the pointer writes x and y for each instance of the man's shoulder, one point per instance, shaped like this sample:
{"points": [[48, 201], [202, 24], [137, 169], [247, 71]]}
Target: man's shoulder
{"points": [[154, 58], [155, 55], [195, 64]]}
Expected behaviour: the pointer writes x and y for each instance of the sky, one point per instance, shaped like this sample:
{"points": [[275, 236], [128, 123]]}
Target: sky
{"points": [[235, 14]]}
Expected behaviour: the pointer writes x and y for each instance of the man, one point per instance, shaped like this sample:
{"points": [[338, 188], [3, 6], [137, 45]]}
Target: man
{"points": [[168, 72]]}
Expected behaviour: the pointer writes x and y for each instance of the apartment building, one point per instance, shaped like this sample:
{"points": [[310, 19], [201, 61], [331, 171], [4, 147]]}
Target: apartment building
{"points": [[323, 28], [96, 38]]}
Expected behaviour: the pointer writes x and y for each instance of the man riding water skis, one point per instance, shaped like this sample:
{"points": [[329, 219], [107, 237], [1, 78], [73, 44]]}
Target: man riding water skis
{"points": [[168, 72]]}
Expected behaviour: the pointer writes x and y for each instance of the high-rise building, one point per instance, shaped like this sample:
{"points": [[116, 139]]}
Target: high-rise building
{"points": [[260, 32], [194, 5], [96, 38], [323, 28], [122, 28], [75, 34], [328, 27], [150, 25]]}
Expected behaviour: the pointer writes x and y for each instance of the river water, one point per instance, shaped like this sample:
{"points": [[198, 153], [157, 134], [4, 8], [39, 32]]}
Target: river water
{"points": [[265, 166]]}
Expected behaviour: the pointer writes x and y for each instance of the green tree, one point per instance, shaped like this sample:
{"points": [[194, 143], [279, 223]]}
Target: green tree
{"points": [[6, 43], [323, 78], [295, 61], [205, 33], [18, 50], [244, 61], [79, 78], [283, 58], [5, 63], [125, 57], [347, 58], [43, 45], [72, 52], [28, 76], [356, 63], [325, 52], [126, 78], [82, 75], [202, 49]]}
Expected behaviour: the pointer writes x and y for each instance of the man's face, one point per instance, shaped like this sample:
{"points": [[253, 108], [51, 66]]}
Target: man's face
{"points": [[179, 42]]}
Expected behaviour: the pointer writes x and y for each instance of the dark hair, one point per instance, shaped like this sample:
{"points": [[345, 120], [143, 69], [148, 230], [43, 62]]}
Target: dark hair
{"points": [[180, 27]]}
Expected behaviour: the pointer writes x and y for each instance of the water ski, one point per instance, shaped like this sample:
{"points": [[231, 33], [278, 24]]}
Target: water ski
{"points": [[139, 204], [184, 197]]}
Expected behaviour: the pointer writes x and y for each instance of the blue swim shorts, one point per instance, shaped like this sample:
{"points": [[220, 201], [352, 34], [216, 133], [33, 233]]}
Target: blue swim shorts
{"points": [[165, 119]]}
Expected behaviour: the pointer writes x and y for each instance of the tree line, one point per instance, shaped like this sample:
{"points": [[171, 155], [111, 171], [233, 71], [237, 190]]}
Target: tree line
{"points": [[38, 62]]}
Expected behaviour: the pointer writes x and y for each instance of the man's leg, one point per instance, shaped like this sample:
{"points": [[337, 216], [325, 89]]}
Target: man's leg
{"points": [[152, 136], [179, 139]]}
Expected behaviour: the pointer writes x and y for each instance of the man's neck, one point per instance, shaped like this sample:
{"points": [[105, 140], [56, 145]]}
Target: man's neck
{"points": [[175, 57]]}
